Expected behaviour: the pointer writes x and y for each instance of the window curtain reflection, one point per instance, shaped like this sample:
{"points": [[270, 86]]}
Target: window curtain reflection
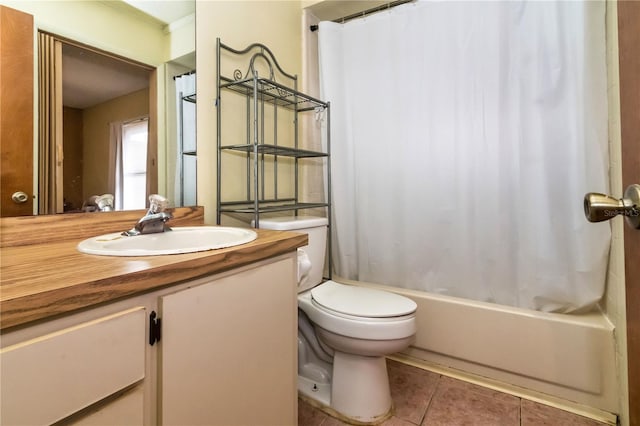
{"points": [[50, 148], [115, 162], [128, 163], [185, 181], [135, 146]]}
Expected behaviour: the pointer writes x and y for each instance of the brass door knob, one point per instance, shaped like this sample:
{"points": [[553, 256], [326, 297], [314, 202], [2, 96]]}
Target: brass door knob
{"points": [[600, 207]]}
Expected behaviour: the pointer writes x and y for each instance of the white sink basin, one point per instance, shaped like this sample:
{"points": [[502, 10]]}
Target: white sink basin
{"points": [[186, 239]]}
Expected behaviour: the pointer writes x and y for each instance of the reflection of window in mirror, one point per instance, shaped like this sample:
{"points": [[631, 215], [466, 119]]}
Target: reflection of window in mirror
{"points": [[130, 185]]}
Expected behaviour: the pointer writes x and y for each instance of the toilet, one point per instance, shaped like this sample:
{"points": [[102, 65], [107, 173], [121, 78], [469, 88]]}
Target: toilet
{"points": [[344, 332]]}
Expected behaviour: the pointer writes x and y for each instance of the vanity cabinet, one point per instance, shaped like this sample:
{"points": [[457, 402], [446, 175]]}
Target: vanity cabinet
{"points": [[226, 356], [54, 375], [228, 352]]}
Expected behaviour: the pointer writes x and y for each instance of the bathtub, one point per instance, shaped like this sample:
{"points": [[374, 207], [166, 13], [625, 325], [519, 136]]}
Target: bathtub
{"points": [[563, 360]]}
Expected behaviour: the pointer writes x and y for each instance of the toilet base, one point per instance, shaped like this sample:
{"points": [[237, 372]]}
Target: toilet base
{"points": [[360, 387], [320, 392], [360, 394]]}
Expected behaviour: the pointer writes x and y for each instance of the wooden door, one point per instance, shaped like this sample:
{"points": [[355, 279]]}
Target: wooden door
{"points": [[16, 111], [628, 44]]}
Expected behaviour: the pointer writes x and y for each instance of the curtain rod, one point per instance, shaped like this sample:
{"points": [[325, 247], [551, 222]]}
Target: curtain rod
{"points": [[365, 12], [184, 73]]}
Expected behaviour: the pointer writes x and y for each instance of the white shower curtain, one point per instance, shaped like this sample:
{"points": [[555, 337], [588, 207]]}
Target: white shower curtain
{"points": [[185, 177], [464, 137]]}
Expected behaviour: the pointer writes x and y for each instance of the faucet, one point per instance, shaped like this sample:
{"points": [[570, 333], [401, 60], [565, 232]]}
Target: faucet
{"points": [[103, 203], [154, 221]]}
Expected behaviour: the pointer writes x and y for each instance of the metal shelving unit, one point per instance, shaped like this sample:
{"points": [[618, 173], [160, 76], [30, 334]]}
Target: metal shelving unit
{"points": [[269, 97]]}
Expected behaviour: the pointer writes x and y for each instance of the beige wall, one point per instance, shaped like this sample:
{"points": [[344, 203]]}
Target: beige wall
{"points": [[96, 136], [115, 31], [72, 167], [181, 37], [277, 24]]}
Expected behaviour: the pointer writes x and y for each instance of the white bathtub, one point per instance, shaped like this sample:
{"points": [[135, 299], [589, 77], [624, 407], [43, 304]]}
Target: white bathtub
{"points": [[567, 358]]}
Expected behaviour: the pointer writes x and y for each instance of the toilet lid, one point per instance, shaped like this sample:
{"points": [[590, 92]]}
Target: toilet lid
{"points": [[360, 301]]}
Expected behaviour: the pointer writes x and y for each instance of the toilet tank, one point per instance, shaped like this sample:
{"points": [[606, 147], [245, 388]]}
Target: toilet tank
{"points": [[316, 230]]}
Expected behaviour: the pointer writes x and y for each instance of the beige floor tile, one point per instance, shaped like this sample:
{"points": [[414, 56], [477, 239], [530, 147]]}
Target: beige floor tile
{"points": [[411, 390], [457, 403], [394, 421], [535, 414], [332, 421], [451, 402], [309, 415]]}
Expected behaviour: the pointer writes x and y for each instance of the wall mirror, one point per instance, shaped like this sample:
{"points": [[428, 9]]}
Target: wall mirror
{"points": [[112, 117], [106, 109]]}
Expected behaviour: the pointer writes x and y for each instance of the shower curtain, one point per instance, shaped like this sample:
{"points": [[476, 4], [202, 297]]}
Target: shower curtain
{"points": [[464, 137], [185, 177]]}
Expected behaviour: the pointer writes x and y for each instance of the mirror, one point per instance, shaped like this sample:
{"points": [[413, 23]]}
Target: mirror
{"points": [[171, 164], [103, 96], [132, 59]]}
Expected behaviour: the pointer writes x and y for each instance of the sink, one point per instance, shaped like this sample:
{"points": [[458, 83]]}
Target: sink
{"points": [[185, 239]]}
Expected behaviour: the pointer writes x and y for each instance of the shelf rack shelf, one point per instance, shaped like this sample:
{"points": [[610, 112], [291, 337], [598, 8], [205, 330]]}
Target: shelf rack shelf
{"points": [[276, 150], [273, 93], [248, 207], [265, 104]]}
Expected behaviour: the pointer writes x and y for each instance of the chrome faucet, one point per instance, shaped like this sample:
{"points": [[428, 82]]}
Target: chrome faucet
{"points": [[154, 221], [103, 203]]}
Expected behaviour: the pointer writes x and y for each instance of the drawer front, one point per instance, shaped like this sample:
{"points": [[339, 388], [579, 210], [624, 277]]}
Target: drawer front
{"points": [[51, 377], [125, 410]]}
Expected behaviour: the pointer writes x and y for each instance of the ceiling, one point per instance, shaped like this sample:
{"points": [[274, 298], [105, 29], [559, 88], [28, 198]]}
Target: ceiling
{"points": [[166, 11], [90, 78]]}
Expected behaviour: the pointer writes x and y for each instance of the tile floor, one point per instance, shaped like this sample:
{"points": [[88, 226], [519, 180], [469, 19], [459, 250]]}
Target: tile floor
{"points": [[429, 399]]}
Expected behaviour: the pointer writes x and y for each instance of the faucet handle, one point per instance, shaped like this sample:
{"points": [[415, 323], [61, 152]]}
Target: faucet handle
{"points": [[157, 203], [104, 202]]}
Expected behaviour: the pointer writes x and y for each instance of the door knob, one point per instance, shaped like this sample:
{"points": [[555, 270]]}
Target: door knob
{"points": [[600, 207], [19, 197]]}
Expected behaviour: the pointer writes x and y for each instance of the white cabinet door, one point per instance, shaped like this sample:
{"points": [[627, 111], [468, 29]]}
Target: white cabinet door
{"points": [[51, 377], [228, 350]]}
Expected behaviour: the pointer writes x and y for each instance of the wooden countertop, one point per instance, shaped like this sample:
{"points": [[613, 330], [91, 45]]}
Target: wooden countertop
{"points": [[44, 279]]}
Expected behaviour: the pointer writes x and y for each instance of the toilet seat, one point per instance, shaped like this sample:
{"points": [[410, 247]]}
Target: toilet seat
{"points": [[361, 302], [359, 327]]}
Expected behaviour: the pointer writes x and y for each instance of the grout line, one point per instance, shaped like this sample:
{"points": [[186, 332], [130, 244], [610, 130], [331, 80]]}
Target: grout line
{"points": [[424, 415], [520, 412], [522, 393]]}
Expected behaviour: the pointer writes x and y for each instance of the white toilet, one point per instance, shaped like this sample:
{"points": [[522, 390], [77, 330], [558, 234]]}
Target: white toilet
{"points": [[344, 332]]}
